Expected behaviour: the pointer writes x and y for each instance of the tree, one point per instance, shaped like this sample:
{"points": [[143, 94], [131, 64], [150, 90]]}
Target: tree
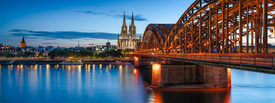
{"points": [[1, 54], [126, 51], [89, 48], [40, 54], [28, 54], [8, 54], [20, 54], [52, 54]]}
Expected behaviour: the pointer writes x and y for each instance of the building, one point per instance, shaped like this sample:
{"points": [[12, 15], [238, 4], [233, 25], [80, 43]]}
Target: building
{"points": [[8, 48], [108, 44], [128, 40], [23, 43]]}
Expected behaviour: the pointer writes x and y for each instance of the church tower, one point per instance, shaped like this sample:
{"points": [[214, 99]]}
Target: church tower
{"points": [[23, 43], [124, 27], [128, 40], [132, 28]]}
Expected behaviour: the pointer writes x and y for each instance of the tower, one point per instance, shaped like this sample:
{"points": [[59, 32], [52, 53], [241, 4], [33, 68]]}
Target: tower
{"points": [[108, 44], [128, 40], [132, 28], [124, 27], [23, 43]]}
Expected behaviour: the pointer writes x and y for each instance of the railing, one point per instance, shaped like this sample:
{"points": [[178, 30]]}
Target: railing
{"points": [[237, 59]]}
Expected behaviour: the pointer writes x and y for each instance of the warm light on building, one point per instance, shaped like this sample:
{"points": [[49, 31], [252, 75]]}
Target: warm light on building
{"points": [[135, 71], [136, 59], [156, 67], [23, 43]]}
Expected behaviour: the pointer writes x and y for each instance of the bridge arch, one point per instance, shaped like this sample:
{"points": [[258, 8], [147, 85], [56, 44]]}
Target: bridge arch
{"points": [[222, 26], [155, 36]]}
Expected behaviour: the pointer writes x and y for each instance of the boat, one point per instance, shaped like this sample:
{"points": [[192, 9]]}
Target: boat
{"points": [[71, 63], [120, 63]]}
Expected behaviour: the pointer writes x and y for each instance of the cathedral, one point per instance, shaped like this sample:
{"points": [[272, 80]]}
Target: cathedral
{"points": [[128, 40]]}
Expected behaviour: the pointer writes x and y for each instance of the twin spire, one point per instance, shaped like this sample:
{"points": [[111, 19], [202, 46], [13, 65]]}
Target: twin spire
{"points": [[124, 20], [132, 23], [132, 29]]}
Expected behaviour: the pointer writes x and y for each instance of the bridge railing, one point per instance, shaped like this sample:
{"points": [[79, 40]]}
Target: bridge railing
{"points": [[257, 60]]}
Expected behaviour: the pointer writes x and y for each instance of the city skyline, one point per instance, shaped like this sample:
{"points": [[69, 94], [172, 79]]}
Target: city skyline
{"points": [[65, 24]]}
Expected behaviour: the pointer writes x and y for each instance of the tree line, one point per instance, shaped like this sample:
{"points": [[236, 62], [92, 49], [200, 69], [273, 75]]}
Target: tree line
{"points": [[19, 54], [57, 53]]}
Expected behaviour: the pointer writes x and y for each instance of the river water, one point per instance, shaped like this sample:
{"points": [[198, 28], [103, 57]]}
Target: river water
{"points": [[120, 84]]}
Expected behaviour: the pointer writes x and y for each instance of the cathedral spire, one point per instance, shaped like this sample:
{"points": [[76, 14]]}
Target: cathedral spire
{"points": [[132, 23], [124, 21], [124, 27], [132, 29]]}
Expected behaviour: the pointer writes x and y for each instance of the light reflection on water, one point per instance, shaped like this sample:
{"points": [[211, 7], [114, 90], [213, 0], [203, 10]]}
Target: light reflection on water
{"points": [[119, 84]]}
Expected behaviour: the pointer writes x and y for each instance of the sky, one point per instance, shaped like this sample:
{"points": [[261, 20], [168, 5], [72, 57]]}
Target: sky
{"points": [[66, 23]]}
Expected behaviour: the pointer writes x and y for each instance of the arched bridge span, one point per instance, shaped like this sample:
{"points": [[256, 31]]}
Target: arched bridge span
{"points": [[214, 26], [216, 31]]}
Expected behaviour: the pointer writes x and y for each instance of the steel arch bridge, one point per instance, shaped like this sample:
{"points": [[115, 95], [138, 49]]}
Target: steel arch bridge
{"points": [[214, 26], [155, 36]]}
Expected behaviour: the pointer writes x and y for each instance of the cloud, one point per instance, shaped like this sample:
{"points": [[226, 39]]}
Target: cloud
{"points": [[47, 35], [129, 17], [117, 16], [50, 43], [92, 12]]}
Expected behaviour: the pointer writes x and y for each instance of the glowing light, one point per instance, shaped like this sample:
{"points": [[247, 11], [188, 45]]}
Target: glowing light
{"points": [[47, 66], [79, 68], [120, 67], [136, 59], [100, 66], [135, 71], [156, 66]]}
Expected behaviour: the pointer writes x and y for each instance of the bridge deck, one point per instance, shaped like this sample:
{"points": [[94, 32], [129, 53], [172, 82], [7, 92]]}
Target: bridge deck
{"points": [[255, 62]]}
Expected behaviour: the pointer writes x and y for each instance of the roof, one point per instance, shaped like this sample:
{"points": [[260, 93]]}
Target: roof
{"points": [[23, 40]]}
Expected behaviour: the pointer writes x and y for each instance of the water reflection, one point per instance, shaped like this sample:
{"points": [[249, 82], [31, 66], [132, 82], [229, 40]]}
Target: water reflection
{"points": [[190, 96], [119, 84]]}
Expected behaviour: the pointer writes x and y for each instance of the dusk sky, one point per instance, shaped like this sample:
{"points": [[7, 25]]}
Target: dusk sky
{"points": [[64, 23]]}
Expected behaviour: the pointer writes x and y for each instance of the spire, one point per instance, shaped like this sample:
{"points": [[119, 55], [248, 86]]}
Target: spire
{"points": [[132, 23], [23, 40], [78, 44], [124, 21], [124, 27], [132, 28]]}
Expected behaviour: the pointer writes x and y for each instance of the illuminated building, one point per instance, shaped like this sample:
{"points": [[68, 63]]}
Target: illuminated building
{"points": [[23, 43], [128, 40], [8, 48]]}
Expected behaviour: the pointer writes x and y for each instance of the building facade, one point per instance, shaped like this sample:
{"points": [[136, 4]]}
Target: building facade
{"points": [[128, 40], [23, 43]]}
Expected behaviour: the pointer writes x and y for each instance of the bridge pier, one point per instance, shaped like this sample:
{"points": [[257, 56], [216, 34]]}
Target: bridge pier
{"points": [[190, 76], [145, 61]]}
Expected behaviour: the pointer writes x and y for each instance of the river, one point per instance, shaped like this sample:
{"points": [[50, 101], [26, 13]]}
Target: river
{"points": [[120, 84]]}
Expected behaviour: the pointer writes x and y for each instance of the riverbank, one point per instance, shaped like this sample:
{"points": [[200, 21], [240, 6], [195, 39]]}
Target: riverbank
{"points": [[52, 62]]}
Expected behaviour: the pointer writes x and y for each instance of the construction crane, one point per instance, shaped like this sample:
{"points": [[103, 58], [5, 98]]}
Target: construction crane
{"points": [[91, 44]]}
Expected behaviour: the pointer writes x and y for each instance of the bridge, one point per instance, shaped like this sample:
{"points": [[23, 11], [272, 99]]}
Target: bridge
{"points": [[220, 33]]}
